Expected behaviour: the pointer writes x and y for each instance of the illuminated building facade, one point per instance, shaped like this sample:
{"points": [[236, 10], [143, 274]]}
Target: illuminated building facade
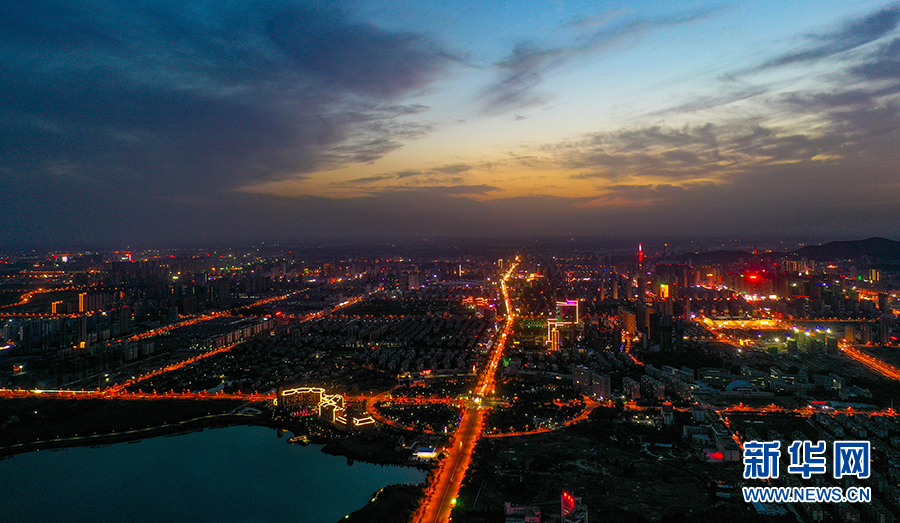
{"points": [[566, 321], [571, 509], [555, 342], [567, 312], [328, 407]]}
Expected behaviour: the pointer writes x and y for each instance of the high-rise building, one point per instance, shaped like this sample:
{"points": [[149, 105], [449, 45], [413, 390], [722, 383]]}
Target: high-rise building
{"points": [[884, 329], [668, 413], [628, 320], [581, 378], [600, 386], [555, 339], [652, 388], [679, 334], [849, 334], [831, 345], [884, 303], [631, 388], [82, 330], [665, 334], [567, 312], [865, 334], [572, 510]]}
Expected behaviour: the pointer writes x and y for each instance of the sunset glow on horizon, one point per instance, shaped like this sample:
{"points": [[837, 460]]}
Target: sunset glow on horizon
{"points": [[345, 119]]}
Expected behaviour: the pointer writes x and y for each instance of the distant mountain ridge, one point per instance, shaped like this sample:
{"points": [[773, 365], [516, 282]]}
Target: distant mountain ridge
{"points": [[872, 247]]}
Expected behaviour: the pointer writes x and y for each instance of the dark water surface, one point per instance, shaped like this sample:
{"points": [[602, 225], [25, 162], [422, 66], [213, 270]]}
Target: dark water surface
{"points": [[234, 474]]}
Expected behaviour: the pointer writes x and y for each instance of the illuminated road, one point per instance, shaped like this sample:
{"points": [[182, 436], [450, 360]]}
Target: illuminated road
{"points": [[874, 364], [25, 298], [590, 405], [28, 296], [118, 391], [372, 411], [440, 494], [206, 317], [108, 394], [191, 320], [453, 468], [881, 367], [168, 368]]}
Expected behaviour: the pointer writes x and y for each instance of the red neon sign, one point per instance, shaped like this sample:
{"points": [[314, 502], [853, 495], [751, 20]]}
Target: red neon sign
{"points": [[568, 503]]}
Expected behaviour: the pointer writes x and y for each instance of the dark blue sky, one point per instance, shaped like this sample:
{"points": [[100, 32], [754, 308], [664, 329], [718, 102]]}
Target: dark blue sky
{"points": [[162, 121]]}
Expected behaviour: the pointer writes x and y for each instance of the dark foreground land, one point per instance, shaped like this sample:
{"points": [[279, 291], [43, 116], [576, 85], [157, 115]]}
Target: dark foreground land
{"points": [[607, 462], [391, 504], [28, 424]]}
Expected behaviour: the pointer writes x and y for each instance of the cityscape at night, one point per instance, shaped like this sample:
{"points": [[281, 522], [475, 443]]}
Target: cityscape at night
{"points": [[414, 262]]}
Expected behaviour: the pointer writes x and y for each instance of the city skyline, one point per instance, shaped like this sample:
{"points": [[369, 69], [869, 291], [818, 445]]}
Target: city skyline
{"points": [[282, 121]]}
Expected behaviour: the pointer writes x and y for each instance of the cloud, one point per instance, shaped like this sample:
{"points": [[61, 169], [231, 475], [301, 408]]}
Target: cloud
{"points": [[847, 120], [206, 97], [357, 56], [884, 64], [655, 152], [723, 154], [820, 160], [461, 190], [733, 86], [851, 35], [839, 134], [443, 175], [728, 94], [143, 126], [370, 179], [520, 74], [452, 169]]}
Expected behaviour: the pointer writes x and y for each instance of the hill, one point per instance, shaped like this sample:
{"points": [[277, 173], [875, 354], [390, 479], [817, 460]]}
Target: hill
{"points": [[874, 248]]}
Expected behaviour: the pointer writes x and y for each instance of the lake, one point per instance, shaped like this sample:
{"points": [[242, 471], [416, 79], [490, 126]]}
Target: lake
{"points": [[235, 474]]}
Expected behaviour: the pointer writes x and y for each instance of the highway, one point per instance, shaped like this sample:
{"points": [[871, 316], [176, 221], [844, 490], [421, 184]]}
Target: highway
{"points": [[453, 467], [440, 494], [881, 367]]}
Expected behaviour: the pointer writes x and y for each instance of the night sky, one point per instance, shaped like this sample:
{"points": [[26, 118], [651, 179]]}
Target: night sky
{"points": [[200, 121]]}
